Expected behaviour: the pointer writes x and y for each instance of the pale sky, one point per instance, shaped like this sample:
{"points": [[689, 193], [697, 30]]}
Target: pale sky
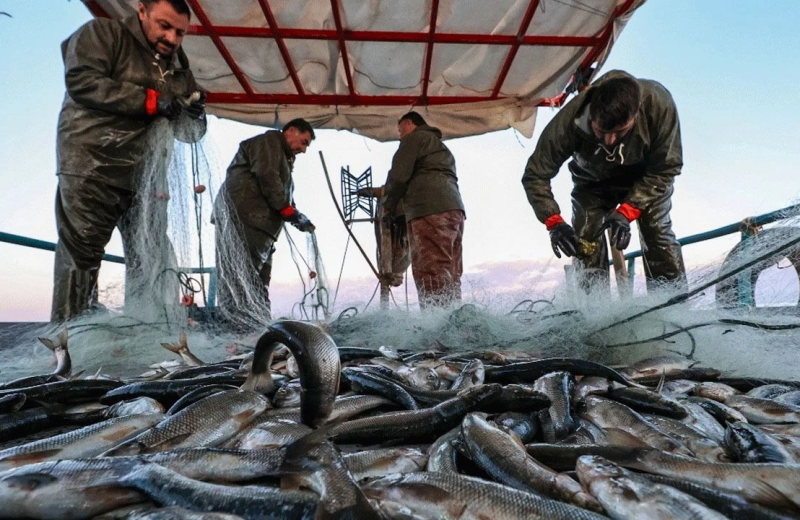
{"points": [[729, 64]]}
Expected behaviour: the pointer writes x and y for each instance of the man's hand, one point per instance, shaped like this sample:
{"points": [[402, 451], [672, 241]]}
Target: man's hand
{"points": [[302, 223], [168, 106], [563, 237], [620, 229], [196, 109]]}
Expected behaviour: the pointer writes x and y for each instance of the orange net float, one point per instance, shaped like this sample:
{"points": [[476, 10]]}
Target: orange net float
{"points": [[187, 300], [199, 188], [312, 274]]}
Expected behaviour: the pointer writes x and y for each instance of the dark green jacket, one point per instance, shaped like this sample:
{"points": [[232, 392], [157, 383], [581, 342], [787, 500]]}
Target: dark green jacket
{"points": [[102, 128], [423, 176], [259, 182], [645, 161]]}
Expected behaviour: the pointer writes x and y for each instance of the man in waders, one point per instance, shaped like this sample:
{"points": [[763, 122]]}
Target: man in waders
{"points": [[122, 77], [624, 138]]}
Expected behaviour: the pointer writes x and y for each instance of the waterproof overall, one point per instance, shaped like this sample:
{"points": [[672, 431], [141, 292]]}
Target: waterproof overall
{"points": [[103, 137]]}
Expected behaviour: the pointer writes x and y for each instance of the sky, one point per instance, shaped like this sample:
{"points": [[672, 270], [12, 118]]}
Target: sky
{"points": [[729, 64]]}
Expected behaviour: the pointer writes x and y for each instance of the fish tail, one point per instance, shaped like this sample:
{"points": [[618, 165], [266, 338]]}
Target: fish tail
{"points": [[175, 348], [259, 382]]}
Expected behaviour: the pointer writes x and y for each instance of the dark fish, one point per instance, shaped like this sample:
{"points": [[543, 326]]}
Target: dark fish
{"points": [[723, 414], [745, 384], [557, 386], [12, 402], [415, 424], [366, 382], [79, 390], [523, 425], [318, 361], [166, 392], [746, 443], [169, 488], [647, 401], [472, 374], [530, 371]]}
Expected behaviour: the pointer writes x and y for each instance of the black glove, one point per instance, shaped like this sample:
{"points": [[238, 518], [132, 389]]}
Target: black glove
{"points": [[301, 222], [620, 229], [168, 106], [197, 109], [563, 237]]}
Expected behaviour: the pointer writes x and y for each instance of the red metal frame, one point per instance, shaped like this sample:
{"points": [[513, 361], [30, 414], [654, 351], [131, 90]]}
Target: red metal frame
{"points": [[431, 37]]}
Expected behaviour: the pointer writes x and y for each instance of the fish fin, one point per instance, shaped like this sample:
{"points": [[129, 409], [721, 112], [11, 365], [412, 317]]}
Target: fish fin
{"points": [[76, 375], [172, 347], [261, 383], [63, 336], [660, 385], [47, 342], [183, 342]]}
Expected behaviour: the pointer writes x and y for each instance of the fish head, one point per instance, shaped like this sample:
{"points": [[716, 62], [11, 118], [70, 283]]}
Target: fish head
{"points": [[592, 468], [425, 378]]}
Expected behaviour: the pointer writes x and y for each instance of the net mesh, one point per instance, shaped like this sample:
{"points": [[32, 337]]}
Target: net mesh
{"points": [[172, 240]]}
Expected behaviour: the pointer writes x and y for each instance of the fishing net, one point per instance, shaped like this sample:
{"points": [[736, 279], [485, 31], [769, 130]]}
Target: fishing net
{"points": [[739, 314]]}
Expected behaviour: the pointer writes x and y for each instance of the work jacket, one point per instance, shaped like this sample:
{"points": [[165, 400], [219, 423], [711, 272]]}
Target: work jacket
{"points": [[103, 125], [645, 161], [423, 176], [259, 182]]}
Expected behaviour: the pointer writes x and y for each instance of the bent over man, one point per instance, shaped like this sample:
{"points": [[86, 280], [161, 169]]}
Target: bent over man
{"points": [[122, 77], [624, 138], [251, 207], [423, 176]]}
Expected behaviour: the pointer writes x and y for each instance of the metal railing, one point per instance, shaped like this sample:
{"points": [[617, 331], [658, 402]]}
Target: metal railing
{"points": [[747, 228], [34, 243]]}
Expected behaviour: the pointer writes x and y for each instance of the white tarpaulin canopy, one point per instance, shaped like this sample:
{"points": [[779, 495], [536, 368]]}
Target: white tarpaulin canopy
{"points": [[468, 66]]}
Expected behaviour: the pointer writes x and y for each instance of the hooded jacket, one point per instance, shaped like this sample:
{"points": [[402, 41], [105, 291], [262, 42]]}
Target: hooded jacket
{"points": [[423, 176], [645, 161], [102, 128], [259, 182]]}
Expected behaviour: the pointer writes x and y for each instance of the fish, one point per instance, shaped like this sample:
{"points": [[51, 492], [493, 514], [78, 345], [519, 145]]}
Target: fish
{"points": [[746, 443], [524, 425], [178, 513], [722, 413], [530, 371], [61, 352], [195, 395], [657, 366], [792, 398], [701, 446], [182, 349], [764, 411], [385, 461], [168, 488], [704, 422], [770, 391], [288, 395], [366, 382], [12, 403], [624, 494], [89, 441], [216, 464], [442, 453], [472, 374], [318, 361], [449, 496], [140, 406], [415, 424], [605, 413], [557, 386], [647, 401], [74, 391], [506, 460], [209, 422], [65, 489], [714, 390], [165, 392], [275, 433]]}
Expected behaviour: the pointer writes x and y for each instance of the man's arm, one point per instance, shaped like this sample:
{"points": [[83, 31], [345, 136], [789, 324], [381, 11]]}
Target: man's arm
{"points": [[401, 172], [555, 146], [89, 60], [663, 162]]}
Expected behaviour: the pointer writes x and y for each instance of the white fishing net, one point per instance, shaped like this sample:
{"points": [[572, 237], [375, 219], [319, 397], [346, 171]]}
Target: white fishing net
{"points": [[739, 316]]}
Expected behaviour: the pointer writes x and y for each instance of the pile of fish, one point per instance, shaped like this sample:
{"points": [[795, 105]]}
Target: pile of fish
{"points": [[301, 428]]}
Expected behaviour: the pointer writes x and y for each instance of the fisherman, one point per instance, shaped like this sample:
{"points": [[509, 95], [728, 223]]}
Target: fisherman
{"points": [[251, 207], [423, 177], [123, 79], [624, 138]]}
